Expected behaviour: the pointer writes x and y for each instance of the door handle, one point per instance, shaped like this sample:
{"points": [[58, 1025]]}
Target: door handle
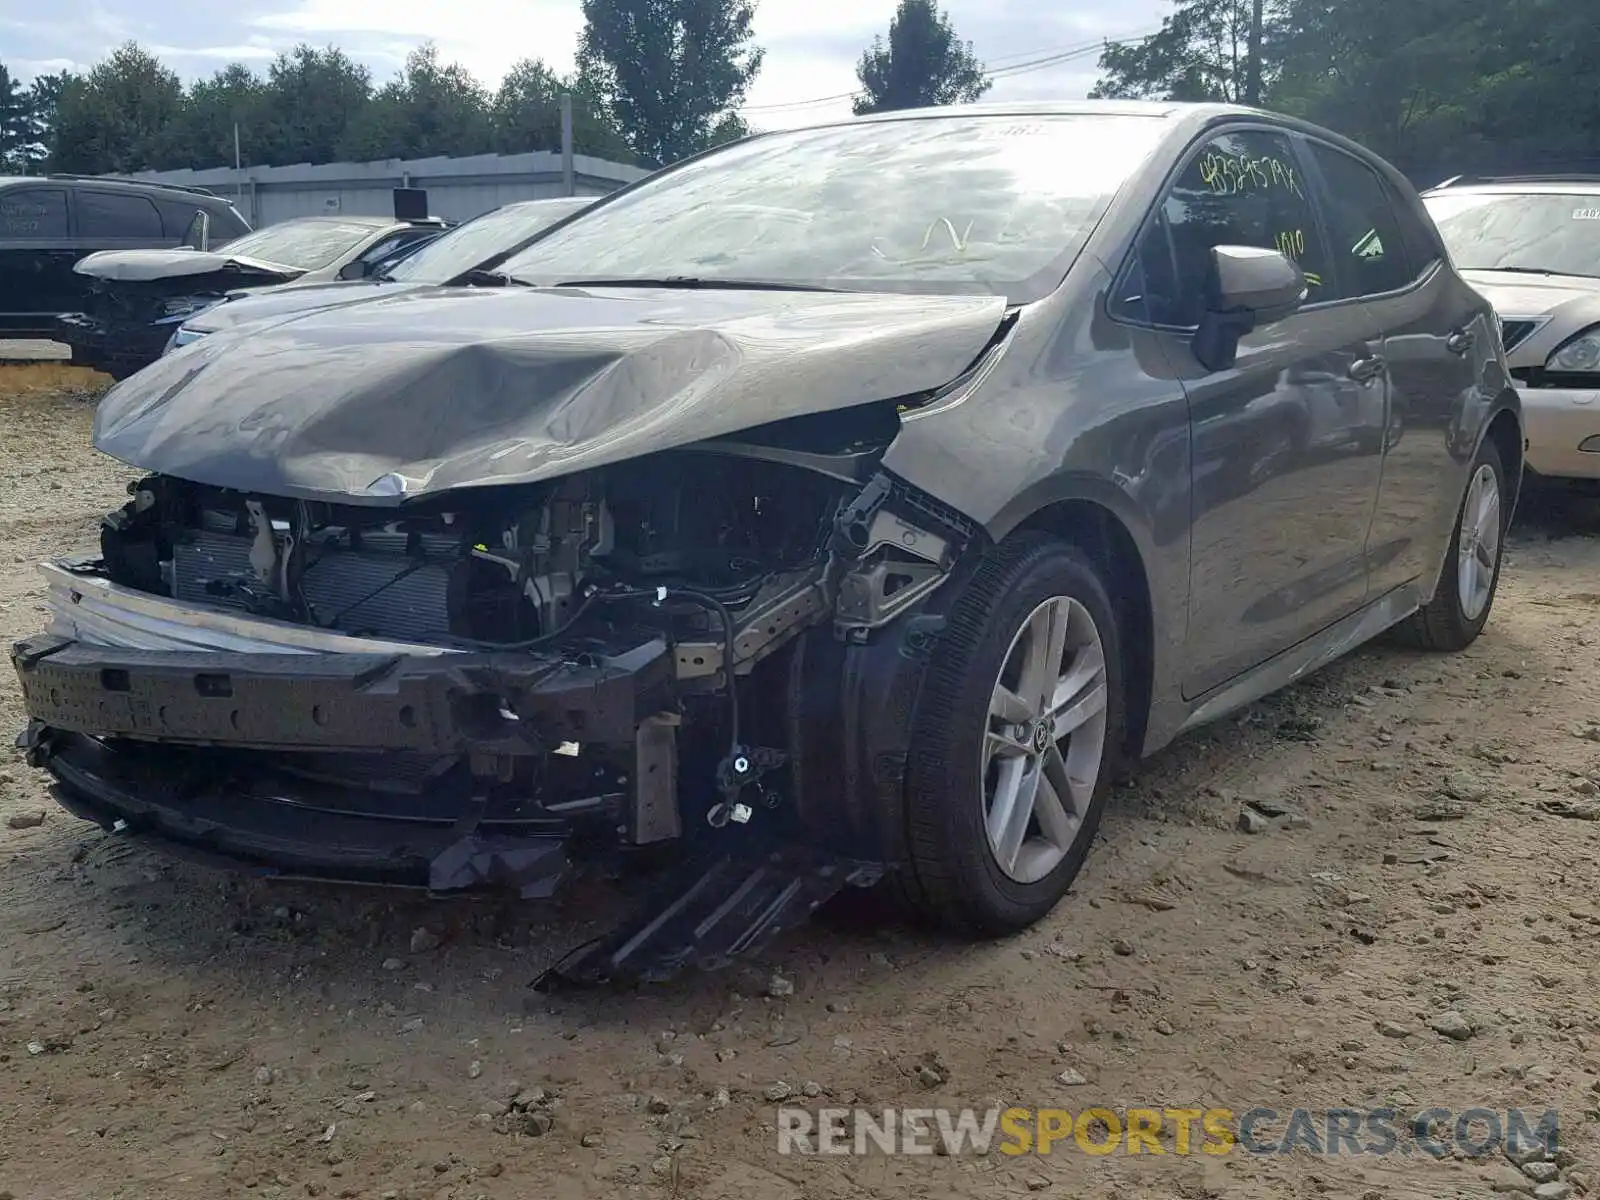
{"points": [[1460, 341], [1365, 370]]}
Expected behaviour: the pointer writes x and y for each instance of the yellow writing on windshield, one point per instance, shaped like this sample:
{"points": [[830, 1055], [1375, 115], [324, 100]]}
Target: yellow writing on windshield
{"points": [[1291, 243], [1232, 174]]}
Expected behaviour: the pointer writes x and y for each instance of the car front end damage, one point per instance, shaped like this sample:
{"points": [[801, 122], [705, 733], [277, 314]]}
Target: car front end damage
{"points": [[505, 686], [130, 322]]}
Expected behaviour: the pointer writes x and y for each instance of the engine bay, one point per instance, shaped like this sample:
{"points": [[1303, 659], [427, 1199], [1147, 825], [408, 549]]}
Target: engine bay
{"points": [[585, 554]]}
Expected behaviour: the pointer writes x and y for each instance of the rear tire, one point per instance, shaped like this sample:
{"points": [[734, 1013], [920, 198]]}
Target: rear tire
{"points": [[1462, 601], [1000, 810]]}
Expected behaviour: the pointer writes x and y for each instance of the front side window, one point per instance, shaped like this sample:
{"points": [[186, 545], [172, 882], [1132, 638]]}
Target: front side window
{"points": [[308, 245], [29, 213], [108, 215], [1241, 189], [1368, 249], [988, 204], [1542, 232]]}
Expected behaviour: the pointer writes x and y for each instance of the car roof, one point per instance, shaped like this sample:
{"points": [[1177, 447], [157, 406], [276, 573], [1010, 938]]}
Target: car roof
{"points": [[352, 219], [182, 191], [1024, 108], [1519, 185], [547, 202]]}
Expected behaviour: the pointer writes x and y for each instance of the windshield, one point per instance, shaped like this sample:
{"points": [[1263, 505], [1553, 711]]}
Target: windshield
{"points": [[988, 204], [481, 239], [1531, 231], [309, 245]]}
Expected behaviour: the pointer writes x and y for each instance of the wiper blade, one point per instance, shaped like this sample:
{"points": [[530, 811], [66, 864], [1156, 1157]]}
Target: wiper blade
{"points": [[1535, 271], [695, 281]]}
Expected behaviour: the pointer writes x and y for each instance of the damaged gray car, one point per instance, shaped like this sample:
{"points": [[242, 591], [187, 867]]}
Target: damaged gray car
{"points": [[841, 504]]}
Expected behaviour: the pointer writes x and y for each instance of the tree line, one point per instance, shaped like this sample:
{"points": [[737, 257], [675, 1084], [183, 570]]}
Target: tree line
{"points": [[1435, 86], [655, 81]]}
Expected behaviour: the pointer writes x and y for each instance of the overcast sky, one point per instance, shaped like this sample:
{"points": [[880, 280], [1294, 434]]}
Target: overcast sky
{"points": [[812, 45]]}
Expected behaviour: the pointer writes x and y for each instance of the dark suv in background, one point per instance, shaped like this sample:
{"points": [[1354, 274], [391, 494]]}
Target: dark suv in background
{"points": [[48, 223]]}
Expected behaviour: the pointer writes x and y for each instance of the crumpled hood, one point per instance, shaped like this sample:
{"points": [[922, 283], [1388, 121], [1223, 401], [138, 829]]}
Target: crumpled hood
{"points": [[460, 387], [131, 266], [289, 300]]}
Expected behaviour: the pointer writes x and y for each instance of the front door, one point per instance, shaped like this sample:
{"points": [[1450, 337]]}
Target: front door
{"points": [[1283, 483]]}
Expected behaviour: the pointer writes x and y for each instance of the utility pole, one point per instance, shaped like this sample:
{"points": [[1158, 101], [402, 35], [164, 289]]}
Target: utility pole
{"points": [[1252, 77], [568, 182]]}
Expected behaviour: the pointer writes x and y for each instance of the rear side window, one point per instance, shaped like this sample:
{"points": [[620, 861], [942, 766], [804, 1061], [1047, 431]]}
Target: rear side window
{"points": [[109, 215], [28, 213], [1241, 189], [1369, 252]]}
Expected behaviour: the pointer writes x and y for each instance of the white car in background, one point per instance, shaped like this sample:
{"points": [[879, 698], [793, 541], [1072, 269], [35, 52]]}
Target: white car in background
{"points": [[1531, 246], [137, 297], [465, 255]]}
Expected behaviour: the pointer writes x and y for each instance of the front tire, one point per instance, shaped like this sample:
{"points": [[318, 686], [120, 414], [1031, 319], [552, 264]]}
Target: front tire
{"points": [[1461, 602], [1015, 741]]}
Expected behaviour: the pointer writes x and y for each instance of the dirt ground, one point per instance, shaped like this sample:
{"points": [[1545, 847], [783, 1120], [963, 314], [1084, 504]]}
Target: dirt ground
{"points": [[170, 1032]]}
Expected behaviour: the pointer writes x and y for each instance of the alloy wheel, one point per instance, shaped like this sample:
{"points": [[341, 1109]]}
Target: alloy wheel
{"points": [[1044, 746], [1478, 542]]}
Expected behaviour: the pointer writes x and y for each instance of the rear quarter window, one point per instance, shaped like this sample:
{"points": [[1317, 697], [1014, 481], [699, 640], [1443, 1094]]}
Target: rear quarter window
{"points": [[30, 213], [1417, 233], [226, 223]]}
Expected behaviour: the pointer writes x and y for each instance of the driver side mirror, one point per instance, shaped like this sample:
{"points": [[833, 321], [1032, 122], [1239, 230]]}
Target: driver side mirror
{"points": [[355, 269], [1248, 288]]}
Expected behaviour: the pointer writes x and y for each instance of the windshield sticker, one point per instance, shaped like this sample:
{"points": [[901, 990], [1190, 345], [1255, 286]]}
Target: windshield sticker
{"points": [[1586, 214], [1230, 175]]}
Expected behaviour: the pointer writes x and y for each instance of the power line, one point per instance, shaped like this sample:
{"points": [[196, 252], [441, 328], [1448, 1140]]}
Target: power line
{"points": [[1044, 62]]}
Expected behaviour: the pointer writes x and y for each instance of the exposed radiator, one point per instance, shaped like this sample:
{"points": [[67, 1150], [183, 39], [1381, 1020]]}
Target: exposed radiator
{"points": [[372, 592]]}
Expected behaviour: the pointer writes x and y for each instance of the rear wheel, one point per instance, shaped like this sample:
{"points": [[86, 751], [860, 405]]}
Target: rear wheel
{"points": [[1456, 615], [1013, 749]]}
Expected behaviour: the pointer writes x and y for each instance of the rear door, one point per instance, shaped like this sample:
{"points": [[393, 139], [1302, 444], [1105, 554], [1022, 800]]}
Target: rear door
{"points": [[1280, 503], [1436, 342], [36, 257]]}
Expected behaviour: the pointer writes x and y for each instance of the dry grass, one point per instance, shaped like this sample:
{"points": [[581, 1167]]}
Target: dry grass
{"points": [[50, 376]]}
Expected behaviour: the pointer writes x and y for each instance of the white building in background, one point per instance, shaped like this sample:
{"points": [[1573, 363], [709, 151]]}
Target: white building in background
{"points": [[458, 188]]}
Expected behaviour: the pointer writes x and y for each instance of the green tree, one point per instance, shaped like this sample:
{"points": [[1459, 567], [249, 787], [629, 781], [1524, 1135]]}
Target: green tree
{"points": [[203, 134], [922, 64], [1215, 50], [526, 115], [312, 98], [1447, 87], [116, 118], [44, 100], [429, 108], [15, 123], [668, 72]]}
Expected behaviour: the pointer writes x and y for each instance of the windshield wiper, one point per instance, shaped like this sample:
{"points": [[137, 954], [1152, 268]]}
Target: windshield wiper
{"points": [[1535, 271], [695, 281]]}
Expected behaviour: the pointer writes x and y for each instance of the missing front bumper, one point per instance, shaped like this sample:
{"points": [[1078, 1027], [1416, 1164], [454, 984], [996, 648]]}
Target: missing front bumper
{"points": [[239, 812], [499, 703]]}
